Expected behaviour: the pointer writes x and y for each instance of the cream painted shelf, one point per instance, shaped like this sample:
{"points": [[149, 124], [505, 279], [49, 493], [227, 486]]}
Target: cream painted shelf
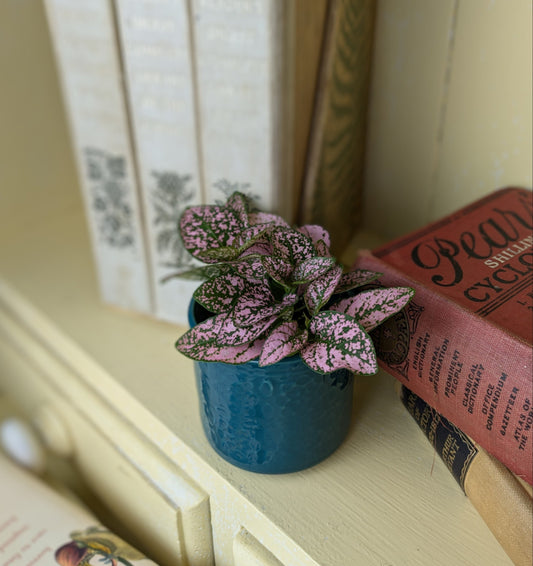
{"points": [[126, 405]]}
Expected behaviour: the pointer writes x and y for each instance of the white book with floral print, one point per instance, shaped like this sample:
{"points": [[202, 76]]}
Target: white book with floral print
{"points": [[256, 64], [86, 51], [159, 79]]}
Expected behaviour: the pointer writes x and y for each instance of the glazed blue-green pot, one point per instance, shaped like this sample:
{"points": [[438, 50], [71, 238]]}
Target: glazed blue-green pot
{"points": [[276, 419]]}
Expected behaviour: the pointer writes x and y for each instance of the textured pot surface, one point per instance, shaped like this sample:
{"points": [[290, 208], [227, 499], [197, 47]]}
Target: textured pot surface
{"points": [[277, 419]]}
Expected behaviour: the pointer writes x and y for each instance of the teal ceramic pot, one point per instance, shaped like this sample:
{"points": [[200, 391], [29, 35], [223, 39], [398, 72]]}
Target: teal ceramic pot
{"points": [[276, 419]]}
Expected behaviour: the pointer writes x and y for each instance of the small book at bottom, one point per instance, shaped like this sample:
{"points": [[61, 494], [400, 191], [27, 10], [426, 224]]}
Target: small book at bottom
{"points": [[499, 497]]}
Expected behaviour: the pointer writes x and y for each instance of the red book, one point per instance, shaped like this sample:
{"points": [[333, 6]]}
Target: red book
{"points": [[464, 344]]}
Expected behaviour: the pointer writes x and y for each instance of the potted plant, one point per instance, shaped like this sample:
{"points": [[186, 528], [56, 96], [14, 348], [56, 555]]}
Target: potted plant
{"points": [[277, 331]]}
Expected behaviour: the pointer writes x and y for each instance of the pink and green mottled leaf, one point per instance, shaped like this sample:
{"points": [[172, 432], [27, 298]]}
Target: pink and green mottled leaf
{"points": [[252, 234], [285, 340], [216, 255], [291, 245], [322, 249], [252, 240], [251, 268], [258, 304], [356, 278], [278, 269], [259, 248], [319, 236], [221, 330], [239, 204], [338, 341], [219, 294], [311, 269], [204, 229], [373, 307], [266, 218], [319, 291], [213, 352]]}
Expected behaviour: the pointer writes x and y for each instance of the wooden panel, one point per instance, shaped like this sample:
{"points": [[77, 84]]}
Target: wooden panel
{"points": [[412, 42], [248, 551], [487, 129], [451, 113], [154, 499]]}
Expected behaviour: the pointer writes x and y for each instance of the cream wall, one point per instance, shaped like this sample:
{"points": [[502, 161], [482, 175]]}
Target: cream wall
{"points": [[37, 172], [451, 107]]}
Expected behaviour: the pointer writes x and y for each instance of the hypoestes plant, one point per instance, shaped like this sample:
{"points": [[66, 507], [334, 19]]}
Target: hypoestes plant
{"points": [[275, 291]]}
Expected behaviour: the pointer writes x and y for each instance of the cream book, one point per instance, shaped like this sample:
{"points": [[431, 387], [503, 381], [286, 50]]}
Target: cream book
{"points": [[86, 52], [40, 526], [256, 63], [156, 50]]}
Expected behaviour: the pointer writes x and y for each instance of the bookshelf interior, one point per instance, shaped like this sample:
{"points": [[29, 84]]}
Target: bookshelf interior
{"points": [[384, 483], [127, 401]]}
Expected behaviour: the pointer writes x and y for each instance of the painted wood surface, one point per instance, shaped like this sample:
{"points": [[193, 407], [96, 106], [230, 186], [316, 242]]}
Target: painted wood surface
{"points": [[450, 114], [383, 497]]}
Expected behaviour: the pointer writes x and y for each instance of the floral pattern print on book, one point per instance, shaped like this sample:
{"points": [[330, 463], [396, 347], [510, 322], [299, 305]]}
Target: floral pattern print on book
{"points": [[227, 188], [96, 545], [169, 199], [109, 190]]}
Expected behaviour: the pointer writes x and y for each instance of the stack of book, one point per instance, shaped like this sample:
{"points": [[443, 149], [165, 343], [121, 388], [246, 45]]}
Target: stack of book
{"points": [[180, 102], [462, 351]]}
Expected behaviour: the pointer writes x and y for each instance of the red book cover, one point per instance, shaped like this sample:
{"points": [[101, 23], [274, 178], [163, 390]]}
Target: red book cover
{"points": [[464, 344]]}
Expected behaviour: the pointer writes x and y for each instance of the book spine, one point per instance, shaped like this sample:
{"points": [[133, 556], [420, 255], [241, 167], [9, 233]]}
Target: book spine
{"points": [[160, 84], [472, 372], [239, 54], [88, 62], [503, 503], [332, 193]]}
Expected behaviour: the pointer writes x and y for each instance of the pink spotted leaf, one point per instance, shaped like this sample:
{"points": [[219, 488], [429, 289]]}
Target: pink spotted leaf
{"points": [[322, 249], [266, 218], [291, 245], [278, 269], [258, 304], [373, 307], [253, 234], [207, 228], [249, 267], [221, 254], [338, 341], [319, 236], [209, 350], [238, 203], [320, 290], [355, 279], [258, 248], [220, 293], [285, 340], [221, 330], [311, 269]]}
